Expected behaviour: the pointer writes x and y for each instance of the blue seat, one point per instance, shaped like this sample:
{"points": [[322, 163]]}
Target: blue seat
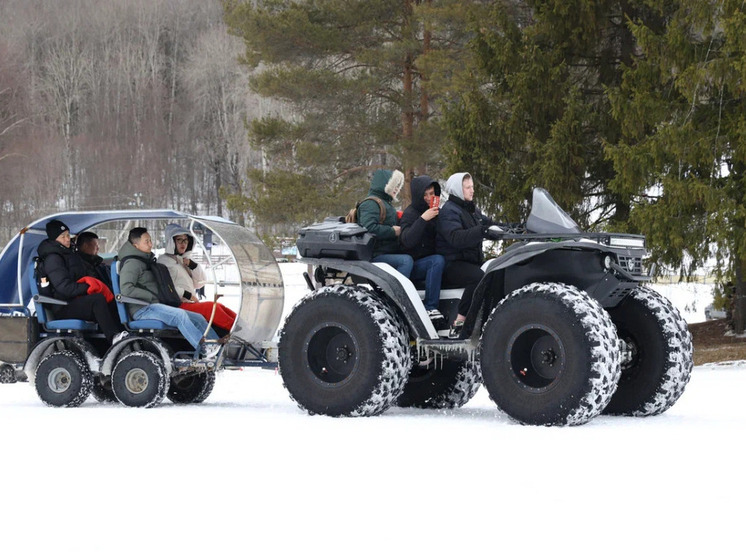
{"points": [[45, 319], [139, 325]]}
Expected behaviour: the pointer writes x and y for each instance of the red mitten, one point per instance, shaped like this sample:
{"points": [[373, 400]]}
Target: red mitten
{"points": [[97, 286]]}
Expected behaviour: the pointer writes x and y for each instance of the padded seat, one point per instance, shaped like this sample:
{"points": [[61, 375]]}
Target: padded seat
{"points": [[138, 325], [45, 320]]}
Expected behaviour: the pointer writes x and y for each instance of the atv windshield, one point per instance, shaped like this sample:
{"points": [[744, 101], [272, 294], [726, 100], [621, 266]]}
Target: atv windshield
{"points": [[547, 217]]}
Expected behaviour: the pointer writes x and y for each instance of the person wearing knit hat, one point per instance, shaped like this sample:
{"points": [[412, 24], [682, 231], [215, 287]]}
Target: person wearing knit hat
{"points": [[55, 228], [381, 220], [461, 230], [65, 270]]}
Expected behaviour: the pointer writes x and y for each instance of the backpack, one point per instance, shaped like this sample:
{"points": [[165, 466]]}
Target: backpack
{"points": [[44, 287], [351, 216], [166, 290]]}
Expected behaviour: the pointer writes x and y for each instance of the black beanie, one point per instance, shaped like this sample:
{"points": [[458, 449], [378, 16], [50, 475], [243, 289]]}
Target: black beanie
{"points": [[55, 228]]}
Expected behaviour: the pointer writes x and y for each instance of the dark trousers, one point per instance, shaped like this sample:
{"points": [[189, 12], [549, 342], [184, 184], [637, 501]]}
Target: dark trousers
{"points": [[94, 308], [463, 274]]}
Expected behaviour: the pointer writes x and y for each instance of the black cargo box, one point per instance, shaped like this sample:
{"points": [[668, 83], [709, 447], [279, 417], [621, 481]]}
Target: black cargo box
{"points": [[333, 239]]}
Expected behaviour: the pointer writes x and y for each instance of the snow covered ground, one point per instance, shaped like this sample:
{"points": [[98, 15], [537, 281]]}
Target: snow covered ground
{"points": [[247, 474]]}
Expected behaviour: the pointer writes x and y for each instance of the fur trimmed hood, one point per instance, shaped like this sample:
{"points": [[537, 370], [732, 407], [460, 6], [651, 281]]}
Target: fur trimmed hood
{"points": [[388, 183]]}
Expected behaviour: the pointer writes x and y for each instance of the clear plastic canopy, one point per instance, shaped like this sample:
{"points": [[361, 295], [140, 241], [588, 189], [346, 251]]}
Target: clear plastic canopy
{"points": [[261, 288]]}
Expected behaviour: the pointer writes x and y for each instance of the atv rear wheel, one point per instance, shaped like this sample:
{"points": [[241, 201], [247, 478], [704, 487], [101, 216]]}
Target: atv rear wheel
{"points": [[550, 355], [442, 384], [139, 380], [342, 352], [657, 361], [63, 379], [191, 389]]}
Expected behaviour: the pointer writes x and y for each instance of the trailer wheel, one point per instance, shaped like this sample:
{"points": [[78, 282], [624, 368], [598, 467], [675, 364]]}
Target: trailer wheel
{"points": [[657, 359], [191, 389], [445, 384], [102, 390], [63, 379], [7, 374], [550, 355], [139, 380], [342, 352]]}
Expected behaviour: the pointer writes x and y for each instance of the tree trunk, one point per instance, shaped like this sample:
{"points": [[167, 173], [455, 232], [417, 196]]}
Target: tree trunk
{"points": [[424, 96], [407, 112], [739, 297]]}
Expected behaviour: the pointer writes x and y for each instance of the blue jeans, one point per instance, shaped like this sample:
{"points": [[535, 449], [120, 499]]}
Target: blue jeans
{"points": [[190, 324], [402, 263], [430, 268]]}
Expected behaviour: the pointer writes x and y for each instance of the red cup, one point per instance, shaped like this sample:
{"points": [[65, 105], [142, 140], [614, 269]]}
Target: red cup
{"points": [[435, 201]]}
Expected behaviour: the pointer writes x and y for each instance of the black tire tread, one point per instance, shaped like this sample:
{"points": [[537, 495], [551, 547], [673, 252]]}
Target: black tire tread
{"points": [[394, 343]]}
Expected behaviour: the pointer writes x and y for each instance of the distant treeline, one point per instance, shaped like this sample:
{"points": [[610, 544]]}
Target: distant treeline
{"points": [[119, 103]]}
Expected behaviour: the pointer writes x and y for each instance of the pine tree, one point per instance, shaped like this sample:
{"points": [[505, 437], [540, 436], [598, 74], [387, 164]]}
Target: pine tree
{"points": [[537, 113], [682, 105], [355, 99]]}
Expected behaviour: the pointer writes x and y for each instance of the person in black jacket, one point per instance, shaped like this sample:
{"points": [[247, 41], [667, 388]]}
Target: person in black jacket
{"points": [[461, 230], [417, 238], [88, 247], [63, 267]]}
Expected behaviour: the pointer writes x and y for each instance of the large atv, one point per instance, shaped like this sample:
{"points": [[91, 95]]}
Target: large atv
{"points": [[560, 330]]}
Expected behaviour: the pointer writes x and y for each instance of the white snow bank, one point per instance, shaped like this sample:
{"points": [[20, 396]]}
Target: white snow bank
{"points": [[248, 473]]}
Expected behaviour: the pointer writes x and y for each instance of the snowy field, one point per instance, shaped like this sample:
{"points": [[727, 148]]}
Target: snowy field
{"points": [[247, 474]]}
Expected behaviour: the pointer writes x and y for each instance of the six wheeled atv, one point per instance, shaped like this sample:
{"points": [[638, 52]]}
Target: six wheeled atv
{"points": [[561, 329]]}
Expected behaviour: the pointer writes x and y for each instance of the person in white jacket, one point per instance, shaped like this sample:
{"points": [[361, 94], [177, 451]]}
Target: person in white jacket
{"points": [[188, 276]]}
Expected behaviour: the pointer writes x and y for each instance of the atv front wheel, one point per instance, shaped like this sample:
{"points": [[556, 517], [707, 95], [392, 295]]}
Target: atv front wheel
{"points": [[550, 355], [342, 352], [139, 380], [657, 358], [442, 384], [63, 379]]}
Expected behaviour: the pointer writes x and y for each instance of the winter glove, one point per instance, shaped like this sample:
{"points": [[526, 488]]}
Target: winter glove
{"points": [[97, 286], [493, 233]]}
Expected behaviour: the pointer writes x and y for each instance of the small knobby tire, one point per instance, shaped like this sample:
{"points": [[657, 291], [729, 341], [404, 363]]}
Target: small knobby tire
{"points": [[657, 362], [442, 384], [191, 389], [63, 379], [7, 374], [102, 391], [139, 380], [550, 355], [342, 352]]}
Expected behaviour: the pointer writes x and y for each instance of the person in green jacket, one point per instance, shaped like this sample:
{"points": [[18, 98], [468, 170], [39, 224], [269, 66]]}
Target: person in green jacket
{"points": [[385, 185], [137, 281]]}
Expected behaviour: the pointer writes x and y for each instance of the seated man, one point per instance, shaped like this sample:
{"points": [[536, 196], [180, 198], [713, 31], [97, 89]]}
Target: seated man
{"points": [[87, 244], [63, 268], [461, 230], [137, 281]]}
